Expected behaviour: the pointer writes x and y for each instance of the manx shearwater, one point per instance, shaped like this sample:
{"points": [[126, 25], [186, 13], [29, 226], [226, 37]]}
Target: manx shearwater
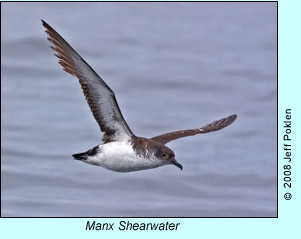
{"points": [[121, 150]]}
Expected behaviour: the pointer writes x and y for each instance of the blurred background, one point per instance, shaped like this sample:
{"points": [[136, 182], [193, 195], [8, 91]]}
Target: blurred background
{"points": [[172, 66]]}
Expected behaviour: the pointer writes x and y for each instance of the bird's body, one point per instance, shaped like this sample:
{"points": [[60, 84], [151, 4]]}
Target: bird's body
{"points": [[120, 156], [121, 151]]}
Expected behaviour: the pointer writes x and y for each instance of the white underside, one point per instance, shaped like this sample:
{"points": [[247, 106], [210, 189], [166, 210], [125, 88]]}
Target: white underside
{"points": [[120, 157]]}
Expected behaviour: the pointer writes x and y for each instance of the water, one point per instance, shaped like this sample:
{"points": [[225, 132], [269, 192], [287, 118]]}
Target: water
{"points": [[172, 66]]}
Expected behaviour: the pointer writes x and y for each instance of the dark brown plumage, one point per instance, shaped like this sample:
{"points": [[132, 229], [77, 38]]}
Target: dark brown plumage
{"points": [[214, 126]]}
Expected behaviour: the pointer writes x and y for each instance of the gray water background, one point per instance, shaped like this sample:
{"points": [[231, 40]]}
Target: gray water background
{"points": [[172, 66]]}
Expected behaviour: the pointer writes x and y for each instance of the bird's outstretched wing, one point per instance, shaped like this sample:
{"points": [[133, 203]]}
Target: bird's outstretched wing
{"points": [[214, 126], [99, 96]]}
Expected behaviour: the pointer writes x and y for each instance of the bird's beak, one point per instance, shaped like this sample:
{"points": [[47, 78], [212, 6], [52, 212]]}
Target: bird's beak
{"points": [[177, 164]]}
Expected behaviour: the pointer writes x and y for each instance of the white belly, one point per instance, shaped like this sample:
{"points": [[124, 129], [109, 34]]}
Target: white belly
{"points": [[120, 157]]}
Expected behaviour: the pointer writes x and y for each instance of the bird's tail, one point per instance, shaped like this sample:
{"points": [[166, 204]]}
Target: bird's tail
{"points": [[85, 155], [80, 156]]}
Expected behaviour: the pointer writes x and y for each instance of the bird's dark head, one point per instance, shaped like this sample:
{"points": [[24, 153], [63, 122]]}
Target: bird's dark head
{"points": [[167, 155]]}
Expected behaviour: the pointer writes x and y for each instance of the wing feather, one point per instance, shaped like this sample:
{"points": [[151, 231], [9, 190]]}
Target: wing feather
{"points": [[214, 126], [100, 97]]}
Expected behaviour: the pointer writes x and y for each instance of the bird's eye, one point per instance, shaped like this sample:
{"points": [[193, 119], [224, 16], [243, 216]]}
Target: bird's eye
{"points": [[163, 155]]}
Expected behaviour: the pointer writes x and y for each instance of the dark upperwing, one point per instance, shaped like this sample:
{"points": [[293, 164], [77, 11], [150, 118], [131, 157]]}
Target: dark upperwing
{"points": [[214, 126], [99, 96]]}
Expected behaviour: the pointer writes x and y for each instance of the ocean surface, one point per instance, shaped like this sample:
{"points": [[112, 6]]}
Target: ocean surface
{"points": [[172, 66]]}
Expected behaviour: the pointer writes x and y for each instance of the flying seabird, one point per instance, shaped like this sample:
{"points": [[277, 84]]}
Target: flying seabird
{"points": [[121, 151]]}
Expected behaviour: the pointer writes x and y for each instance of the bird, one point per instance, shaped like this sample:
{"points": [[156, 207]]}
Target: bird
{"points": [[121, 150]]}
